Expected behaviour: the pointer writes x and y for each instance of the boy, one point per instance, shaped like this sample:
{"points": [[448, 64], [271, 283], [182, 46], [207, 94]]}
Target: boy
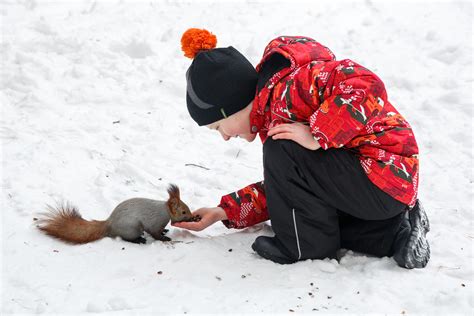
{"points": [[340, 163]]}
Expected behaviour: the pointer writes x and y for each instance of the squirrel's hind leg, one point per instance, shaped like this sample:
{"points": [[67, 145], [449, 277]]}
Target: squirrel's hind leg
{"points": [[163, 238], [159, 234], [139, 240], [128, 231]]}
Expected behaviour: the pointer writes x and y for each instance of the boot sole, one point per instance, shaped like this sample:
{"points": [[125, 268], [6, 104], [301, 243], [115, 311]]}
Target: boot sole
{"points": [[267, 255], [416, 252]]}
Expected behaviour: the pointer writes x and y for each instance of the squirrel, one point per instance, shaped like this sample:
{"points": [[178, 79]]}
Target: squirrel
{"points": [[128, 220]]}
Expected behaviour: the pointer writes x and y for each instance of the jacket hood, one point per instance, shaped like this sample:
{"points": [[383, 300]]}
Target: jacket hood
{"points": [[299, 50]]}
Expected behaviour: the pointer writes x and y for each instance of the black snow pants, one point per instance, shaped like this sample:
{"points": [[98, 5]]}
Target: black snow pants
{"points": [[321, 201]]}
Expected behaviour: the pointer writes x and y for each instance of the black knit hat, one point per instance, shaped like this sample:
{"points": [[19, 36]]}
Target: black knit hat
{"points": [[220, 82]]}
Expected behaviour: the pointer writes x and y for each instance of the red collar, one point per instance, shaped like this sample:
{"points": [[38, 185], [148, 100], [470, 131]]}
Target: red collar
{"points": [[299, 50]]}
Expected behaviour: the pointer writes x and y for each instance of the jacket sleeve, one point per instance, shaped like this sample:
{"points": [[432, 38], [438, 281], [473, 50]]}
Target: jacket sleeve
{"points": [[349, 95], [245, 207]]}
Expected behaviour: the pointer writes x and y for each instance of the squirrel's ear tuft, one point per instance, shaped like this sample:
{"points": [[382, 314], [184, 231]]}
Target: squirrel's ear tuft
{"points": [[173, 191], [195, 40]]}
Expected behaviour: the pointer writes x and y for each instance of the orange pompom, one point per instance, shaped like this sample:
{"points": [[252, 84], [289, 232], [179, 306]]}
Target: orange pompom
{"points": [[195, 40]]}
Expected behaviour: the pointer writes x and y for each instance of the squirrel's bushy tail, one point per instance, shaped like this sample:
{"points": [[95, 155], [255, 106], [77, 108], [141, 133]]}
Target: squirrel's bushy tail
{"points": [[65, 223]]}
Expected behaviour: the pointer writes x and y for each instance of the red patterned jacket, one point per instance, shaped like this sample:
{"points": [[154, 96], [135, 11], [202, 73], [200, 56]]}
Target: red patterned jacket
{"points": [[346, 105]]}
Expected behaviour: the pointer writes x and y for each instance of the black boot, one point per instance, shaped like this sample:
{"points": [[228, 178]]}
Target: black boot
{"points": [[411, 248], [268, 248]]}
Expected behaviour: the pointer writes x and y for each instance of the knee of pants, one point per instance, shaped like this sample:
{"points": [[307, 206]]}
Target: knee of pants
{"points": [[275, 152]]}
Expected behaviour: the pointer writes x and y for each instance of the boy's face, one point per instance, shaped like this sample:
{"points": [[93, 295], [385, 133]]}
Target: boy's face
{"points": [[236, 125]]}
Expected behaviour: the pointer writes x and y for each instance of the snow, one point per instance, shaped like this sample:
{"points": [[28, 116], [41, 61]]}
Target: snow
{"points": [[93, 112]]}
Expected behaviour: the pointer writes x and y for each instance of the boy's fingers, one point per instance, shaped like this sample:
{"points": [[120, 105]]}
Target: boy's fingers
{"points": [[276, 132], [180, 224], [280, 126], [278, 129], [290, 128], [196, 226], [283, 136]]}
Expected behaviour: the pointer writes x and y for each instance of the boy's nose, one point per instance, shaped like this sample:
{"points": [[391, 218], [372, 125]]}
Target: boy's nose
{"points": [[224, 135]]}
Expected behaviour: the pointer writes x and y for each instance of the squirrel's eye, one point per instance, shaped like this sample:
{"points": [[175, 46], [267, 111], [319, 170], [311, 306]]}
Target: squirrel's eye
{"points": [[184, 212]]}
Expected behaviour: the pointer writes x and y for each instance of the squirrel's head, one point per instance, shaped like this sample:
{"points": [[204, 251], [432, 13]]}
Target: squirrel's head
{"points": [[177, 209]]}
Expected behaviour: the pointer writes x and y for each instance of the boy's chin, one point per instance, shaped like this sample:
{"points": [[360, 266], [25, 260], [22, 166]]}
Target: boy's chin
{"points": [[250, 137]]}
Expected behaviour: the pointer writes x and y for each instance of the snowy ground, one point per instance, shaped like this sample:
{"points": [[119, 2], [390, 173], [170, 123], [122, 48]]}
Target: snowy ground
{"points": [[93, 111]]}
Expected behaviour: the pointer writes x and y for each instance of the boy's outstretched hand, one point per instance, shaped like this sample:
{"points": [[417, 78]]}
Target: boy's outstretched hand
{"points": [[296, 132], [209, 215]]}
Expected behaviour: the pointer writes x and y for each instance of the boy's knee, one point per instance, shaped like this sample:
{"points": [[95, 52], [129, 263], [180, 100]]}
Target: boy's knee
{"points": [[275, 152]]}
